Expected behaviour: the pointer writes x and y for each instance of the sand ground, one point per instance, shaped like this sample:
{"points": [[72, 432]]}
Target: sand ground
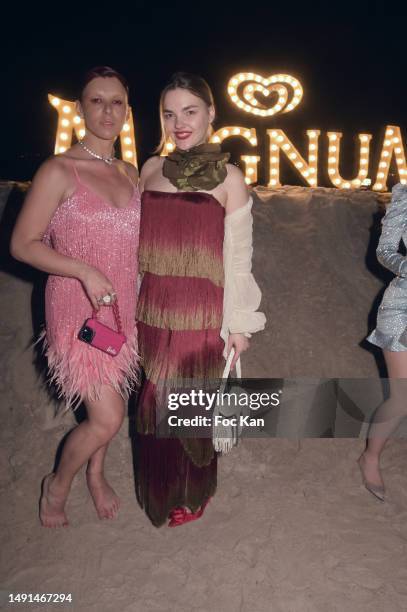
{"points": [[291, 528]]}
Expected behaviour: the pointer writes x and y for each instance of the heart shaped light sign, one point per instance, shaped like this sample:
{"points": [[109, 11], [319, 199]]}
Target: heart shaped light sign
{"points": [[246, 88]]}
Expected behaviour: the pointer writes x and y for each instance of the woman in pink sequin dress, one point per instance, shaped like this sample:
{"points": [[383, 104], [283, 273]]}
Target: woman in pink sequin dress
{"points": [[80, 223]]}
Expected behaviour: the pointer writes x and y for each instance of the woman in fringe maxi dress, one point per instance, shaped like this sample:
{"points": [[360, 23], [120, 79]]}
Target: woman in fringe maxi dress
{"points": [[183, 334]]}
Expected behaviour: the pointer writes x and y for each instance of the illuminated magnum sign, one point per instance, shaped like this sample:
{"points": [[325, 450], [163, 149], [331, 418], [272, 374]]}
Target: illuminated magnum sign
{"points": [[250, 92]]}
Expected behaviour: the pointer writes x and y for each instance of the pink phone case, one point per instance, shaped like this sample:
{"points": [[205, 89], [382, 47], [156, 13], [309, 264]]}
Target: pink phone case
{"points": [[105, 338], [102, 337]]}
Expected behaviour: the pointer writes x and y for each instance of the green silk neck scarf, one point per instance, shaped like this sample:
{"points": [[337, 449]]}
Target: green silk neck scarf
{"points": [[201, 168]]}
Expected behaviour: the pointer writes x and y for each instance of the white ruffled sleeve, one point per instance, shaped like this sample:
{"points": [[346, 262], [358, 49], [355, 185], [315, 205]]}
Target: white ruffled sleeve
{"points": [[242, 295]]}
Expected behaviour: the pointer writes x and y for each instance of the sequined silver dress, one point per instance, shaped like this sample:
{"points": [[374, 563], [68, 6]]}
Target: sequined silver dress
{"points": [[392, 315]]}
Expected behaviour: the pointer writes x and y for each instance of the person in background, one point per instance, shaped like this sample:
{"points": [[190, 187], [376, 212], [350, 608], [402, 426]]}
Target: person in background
{"points": [[391, 335]]}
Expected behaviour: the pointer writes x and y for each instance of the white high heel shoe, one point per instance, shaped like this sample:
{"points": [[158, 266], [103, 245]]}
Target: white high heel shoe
{"points": [[377, 490]]}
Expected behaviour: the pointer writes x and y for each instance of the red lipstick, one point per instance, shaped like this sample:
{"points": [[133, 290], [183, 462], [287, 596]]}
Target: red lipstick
{"points": [[182, 135]]}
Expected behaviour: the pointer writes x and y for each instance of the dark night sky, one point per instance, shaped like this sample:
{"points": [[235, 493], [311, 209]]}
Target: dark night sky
{"points": [[351, 63]]}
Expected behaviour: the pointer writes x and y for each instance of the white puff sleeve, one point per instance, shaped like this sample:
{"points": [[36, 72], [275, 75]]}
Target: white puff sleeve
{"points": [[242, 295]]}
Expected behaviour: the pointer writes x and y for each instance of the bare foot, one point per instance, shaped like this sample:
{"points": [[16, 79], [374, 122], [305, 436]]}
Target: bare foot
{"points": [[105, 499], [52, 505]]}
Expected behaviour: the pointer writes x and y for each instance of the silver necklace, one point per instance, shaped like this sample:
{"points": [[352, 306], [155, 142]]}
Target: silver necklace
{"points": [[107, 160]]}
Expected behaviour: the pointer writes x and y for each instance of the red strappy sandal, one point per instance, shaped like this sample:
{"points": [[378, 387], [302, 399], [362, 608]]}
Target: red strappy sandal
{"points": [[179, 516]]}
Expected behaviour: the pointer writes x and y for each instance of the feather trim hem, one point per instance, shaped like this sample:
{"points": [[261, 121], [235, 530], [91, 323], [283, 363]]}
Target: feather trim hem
{"points": [[79, 371]]}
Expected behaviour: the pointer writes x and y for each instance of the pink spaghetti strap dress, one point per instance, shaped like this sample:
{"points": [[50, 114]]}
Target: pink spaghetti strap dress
{"points": [[88, 228]]}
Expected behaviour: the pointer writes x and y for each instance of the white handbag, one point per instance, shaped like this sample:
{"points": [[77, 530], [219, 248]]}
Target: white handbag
{"points": [[225, 435]]}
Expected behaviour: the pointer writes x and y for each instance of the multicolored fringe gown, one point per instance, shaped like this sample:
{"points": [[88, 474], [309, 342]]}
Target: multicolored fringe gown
{"points": [[179, 316]]}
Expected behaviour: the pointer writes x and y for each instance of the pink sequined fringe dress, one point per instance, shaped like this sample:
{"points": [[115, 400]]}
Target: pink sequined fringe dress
{"points": [[88, 228]]}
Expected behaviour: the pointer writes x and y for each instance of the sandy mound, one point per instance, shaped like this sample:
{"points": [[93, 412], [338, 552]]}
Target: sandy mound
{"points": [[291, 529]]}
